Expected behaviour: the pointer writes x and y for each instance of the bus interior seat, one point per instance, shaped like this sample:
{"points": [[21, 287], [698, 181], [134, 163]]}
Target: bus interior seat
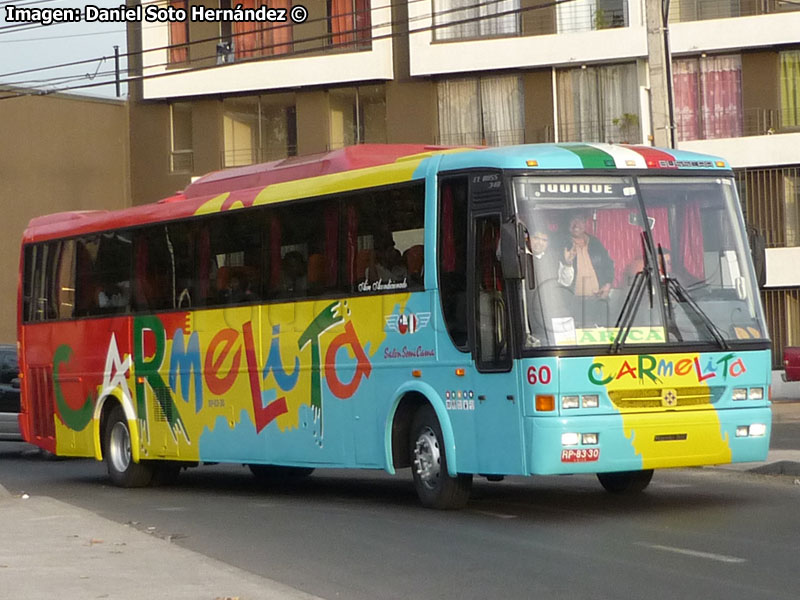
{"points": [[415, 261], [316, 273], [364, 260]]}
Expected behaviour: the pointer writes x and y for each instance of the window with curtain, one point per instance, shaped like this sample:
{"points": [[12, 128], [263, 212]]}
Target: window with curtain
{"points": [[178, 36], [255, 38], [469, 19], [357, 115], [599, 104], [350, 23], [481, 111], [258, 128], [790, 88], [708, 97]]}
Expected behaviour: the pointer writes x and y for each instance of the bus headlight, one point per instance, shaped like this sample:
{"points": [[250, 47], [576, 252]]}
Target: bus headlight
{"points": [[589, 439], [591, 401], [570, 401], [739, 394], [756, 394], [570, 439], [758, 430]]}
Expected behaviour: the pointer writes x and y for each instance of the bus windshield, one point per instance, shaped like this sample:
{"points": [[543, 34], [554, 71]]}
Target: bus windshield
{"points": [[617, 261]]}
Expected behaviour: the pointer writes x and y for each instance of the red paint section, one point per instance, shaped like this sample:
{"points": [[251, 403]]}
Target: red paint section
{"points": [[654, 157], [263, 415]]}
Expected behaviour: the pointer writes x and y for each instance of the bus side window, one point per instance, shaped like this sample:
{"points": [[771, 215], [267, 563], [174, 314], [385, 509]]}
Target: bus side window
{"points": [[452, 257]]}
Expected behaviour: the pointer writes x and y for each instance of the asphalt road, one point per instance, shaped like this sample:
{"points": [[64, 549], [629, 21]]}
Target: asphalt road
{"points": [[696, 533]]}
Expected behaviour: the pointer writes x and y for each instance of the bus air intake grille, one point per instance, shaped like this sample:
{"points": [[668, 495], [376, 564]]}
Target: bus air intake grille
{"points": [[40, 385], [679, 397]]}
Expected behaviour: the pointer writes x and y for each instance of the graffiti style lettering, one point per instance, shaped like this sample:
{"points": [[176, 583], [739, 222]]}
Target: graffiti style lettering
{"points": [[224, 341], [275, 364], [700, 376], [147, 370], [683, 366], [78, 419], [263, 415], [651, 368], [326, 319], [665, 369], [363, 366], [185, 361], [598, 368]]}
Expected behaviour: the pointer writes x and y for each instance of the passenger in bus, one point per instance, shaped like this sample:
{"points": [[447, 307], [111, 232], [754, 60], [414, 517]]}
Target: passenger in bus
{"points": [[294, 273], [114, 295], [388, 260], [549, 297], [594, 273], [637, 264]]}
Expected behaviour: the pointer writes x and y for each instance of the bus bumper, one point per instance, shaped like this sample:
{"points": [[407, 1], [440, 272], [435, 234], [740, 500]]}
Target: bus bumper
{"points": [[655, 440]]}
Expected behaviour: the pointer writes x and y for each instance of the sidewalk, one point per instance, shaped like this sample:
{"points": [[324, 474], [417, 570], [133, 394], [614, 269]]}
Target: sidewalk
{"points": [[53, 550]]}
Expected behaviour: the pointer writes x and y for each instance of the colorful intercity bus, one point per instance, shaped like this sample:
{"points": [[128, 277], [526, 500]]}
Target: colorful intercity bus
{"points": [[530, 310]]}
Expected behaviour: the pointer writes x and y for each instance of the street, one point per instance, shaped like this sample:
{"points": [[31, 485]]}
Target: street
{"points": [[699, 533]]}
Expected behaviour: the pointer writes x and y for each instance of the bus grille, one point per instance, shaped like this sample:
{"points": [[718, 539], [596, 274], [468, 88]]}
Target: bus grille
{"points": [[652, 398], [41, 406]]}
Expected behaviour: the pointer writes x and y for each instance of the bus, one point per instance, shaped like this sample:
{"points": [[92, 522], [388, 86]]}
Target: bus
{"points": [[531, 310]]}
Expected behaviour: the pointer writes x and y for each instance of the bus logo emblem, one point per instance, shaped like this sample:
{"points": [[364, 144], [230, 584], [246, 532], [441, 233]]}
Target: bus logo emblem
{"points": [[407, 323], [669, 398]]}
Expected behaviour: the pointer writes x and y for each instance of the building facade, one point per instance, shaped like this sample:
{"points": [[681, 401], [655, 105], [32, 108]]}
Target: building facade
{"points": [[221, 94]]}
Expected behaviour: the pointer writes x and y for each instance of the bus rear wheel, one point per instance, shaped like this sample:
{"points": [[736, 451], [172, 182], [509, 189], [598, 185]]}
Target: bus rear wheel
{"points": [[434, 486], [122, 470], [625, 482]]}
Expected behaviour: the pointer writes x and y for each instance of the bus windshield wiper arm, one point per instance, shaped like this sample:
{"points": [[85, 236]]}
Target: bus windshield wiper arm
{"points": [[630, 307], [675, 289]]}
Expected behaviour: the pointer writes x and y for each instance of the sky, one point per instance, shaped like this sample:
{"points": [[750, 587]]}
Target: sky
{"points": [[31, 46]]}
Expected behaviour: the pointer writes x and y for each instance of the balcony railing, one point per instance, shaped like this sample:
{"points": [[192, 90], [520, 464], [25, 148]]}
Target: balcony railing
{"points": [[625, 129], [751, 122], [533, 20], [507, 137], [682, 11]]}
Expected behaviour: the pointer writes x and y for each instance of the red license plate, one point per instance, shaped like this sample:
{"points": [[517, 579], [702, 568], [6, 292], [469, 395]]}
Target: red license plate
{"points": [[577, 455]]}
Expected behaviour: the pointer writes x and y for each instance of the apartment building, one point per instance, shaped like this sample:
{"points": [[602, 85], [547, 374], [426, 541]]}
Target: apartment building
{"points": [[222, 94]]}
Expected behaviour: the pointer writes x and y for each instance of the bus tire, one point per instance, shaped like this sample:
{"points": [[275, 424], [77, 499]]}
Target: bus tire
{"points": [[117, 454], [434, 486], [625, 482]]}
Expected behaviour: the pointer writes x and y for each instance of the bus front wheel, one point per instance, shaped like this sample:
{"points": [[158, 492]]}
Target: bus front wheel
{"points": [[625, 482], [122, 470], [435, 487]]}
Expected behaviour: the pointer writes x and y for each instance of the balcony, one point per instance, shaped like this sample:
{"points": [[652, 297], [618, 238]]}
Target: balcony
{"points": [[254, 56], [683, 11]]}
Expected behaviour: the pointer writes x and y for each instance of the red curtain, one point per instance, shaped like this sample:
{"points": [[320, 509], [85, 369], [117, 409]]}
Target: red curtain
{"points": [[352, 243], [178, 36], [350, 21], [257, 38], [692, 241], [331, 245]]}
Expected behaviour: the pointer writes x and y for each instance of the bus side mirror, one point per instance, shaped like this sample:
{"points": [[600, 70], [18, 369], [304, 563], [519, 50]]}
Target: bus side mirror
{"points": [[510, 255]]}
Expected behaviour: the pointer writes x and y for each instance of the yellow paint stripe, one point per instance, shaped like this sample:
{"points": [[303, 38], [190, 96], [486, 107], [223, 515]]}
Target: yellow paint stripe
{"points": [[213, 205]]}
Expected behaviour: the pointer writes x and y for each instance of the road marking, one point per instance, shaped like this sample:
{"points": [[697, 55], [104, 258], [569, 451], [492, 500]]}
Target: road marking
{"points": [[695, 553], [172, 508]]}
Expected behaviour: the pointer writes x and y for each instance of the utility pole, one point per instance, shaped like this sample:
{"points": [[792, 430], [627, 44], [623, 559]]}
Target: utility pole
{"points": [[116, 69], [659, 60]]}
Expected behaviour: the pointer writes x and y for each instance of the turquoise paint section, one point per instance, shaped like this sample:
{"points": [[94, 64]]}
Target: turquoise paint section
{"points": [[617, 450]]}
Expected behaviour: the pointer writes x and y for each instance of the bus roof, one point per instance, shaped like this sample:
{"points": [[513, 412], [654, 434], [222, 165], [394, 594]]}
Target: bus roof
{"points": [[356, 167]]}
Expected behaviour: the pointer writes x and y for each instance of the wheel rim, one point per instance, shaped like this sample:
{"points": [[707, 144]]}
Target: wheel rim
{"points": [[119, 447], [427, 458]]}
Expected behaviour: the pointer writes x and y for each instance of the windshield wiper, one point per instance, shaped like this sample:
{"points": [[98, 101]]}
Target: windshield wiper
{"points": [[633, 300], [675, 289]]}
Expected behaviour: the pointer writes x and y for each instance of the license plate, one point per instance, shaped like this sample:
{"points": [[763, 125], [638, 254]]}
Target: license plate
{"points": [[577, 455]]}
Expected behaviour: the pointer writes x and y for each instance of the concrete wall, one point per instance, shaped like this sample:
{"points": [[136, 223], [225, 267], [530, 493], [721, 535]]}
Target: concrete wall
{"points": [[58, 153]]}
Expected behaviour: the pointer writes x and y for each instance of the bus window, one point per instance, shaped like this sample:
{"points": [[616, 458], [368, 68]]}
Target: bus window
{"points": [[491, 313], [103, 264], [164, 268], [234, 258], [452, 257]]}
